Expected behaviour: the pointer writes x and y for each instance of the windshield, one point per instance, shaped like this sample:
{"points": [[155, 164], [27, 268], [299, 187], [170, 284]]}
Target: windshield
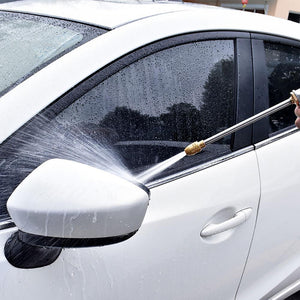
{"points": [[28, 43]]}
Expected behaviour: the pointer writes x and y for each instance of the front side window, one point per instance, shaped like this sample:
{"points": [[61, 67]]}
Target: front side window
{"points": [[28, 43], [151, 109], [283, 70], [137, 117]]}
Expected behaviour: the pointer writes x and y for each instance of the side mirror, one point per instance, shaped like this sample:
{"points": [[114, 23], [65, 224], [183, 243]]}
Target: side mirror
{"points": [[68, 204]]}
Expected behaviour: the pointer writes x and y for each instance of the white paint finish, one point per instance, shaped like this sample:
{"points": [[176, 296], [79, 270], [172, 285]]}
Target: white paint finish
{"points": [[101, 13], [275, 253], [181, 209], [167, 258], [168, 250], [67, 199], [23, 102], [238, 219]]}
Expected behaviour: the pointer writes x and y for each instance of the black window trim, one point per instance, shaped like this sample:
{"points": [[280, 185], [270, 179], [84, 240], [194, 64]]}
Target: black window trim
{"points": [[261, 93], [244, 97]]}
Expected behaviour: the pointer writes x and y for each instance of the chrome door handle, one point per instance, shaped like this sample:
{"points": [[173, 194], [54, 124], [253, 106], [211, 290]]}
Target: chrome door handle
{"points": [[239, 218]]}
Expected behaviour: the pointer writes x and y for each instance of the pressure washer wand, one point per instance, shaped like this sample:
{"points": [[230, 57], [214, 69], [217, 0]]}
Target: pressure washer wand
{"points": [[198, 146]]}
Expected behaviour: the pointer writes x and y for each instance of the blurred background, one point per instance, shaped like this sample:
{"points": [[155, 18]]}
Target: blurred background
{"points": [[286, 9]]}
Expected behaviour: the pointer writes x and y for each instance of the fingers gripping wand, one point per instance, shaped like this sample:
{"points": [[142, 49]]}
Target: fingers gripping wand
{"points": [[198, 146]]}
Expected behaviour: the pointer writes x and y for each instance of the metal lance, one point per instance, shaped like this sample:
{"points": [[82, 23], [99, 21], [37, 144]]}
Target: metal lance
{"points": [[198, 146]]}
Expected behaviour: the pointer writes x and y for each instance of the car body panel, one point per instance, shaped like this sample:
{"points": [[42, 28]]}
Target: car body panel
{"points": [[275, 248], [167, 258]]}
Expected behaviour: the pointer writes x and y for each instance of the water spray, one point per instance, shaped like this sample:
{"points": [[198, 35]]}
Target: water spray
{"points": [[196, 147]]}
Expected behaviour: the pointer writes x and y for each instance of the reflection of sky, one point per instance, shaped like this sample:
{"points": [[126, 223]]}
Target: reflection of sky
{"points": [[154, 83]]}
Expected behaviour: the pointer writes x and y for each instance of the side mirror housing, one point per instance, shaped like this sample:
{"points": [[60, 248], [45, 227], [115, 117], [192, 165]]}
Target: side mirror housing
{"points": [[68, 204]]}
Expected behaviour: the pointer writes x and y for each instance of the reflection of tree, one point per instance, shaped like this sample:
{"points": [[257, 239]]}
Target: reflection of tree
{"points": [[128, 124], [182, 122], [217, 109]]}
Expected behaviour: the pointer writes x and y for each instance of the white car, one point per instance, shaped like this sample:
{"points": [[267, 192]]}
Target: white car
{"points": [[94, 94]]}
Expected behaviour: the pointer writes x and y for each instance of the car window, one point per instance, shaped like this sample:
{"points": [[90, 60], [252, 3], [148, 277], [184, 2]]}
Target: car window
{"points": [[28, 43], [151, 109], [283, 70], [141, 115]]}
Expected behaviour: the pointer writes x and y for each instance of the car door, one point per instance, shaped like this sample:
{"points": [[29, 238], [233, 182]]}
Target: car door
{"points": [[134, 113], [273, 264]]}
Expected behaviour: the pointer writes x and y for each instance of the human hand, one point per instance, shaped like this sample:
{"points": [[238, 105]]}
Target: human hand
{"points": [[297, 113]]}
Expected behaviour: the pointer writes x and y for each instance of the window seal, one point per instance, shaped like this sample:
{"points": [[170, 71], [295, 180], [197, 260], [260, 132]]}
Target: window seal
{"points": [[276, 137], [199, 168]]}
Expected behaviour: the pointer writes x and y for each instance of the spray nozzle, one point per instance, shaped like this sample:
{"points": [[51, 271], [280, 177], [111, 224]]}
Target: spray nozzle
{"points": [[194, 148]]}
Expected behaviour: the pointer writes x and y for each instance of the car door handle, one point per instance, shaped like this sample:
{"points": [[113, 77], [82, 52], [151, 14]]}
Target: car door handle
{"points": [[239, 218]]}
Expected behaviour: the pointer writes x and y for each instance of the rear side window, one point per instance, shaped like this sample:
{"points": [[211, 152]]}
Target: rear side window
{"points": [[28, 43], [283, 70]]}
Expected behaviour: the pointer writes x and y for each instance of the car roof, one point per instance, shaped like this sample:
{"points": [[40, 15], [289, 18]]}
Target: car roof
{"points": [[116, 13], [106, 14]]}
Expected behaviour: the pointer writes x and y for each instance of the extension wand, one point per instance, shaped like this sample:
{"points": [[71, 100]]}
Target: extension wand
{"points": [[198, 146]]}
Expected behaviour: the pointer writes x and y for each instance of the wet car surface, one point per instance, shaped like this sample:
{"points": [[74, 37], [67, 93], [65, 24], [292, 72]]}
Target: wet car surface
{"points": [[95, 93]]}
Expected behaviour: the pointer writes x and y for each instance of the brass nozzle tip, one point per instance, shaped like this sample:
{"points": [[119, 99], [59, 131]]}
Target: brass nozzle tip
{"points": [[294, 98], [194, 148]]}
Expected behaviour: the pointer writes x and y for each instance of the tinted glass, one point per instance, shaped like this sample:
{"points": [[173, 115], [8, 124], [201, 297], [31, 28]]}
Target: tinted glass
{"points": [[28, 43], [283, 67], [150, 110]]}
